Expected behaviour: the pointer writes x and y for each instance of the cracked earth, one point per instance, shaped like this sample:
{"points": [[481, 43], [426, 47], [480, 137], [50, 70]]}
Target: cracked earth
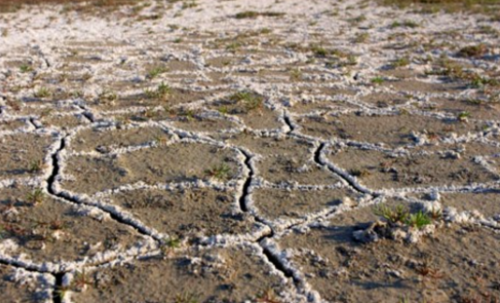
{"points": [[182, 152]]}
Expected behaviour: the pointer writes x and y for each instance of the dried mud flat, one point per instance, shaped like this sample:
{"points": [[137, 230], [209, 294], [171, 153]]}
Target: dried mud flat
{"points": [[221, 151]]}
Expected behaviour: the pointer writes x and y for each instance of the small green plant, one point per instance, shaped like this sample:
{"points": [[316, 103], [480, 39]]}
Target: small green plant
{"points": [[254, 14], [361, 38], [404, 61], [398, 214], [172, 242], [357, 19], [36, 196], [223, 110], [418, 220], [168, 246], [161, 92], [220, 172], [319, 51], [189, 4], [108, 96], [473, 51], [43, 92], [377, 80], [189, 114], [35, 166], [463, 116], [156, 71], [25, 68], [295, 74], [405, 23], [265, 31], [251, 100]]}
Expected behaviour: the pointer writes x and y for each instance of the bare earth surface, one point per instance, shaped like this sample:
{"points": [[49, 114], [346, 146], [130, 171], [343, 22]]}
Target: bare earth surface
{"points": [[228, 151]]}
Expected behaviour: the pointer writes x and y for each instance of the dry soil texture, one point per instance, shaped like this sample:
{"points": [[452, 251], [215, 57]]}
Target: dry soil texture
{"points": [[226, 151]]}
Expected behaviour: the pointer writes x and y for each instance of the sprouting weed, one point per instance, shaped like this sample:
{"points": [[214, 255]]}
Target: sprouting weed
{"points": [[36, 196], [223, 110], [43, 92], [463, 116], [377, 80], [35, 166], [404, 61], [220, 172], [295, 74], [398, 214], [319, 51], [156, 71], [418, 220], [161, 92], [250, 100], [169, 245], [25, 68], [361, 37], [108, 96]]}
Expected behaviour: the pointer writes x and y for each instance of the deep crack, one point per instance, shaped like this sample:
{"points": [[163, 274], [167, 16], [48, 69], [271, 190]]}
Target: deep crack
{"points": [[50, 188], [277, 263], [247, 184], [352, 184], [288, 122], [57, 293], [273, 259]]}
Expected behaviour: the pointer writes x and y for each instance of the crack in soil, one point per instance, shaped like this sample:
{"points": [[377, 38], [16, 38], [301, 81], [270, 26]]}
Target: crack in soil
{"points": [[288, 122], [33, 122], [57, 296], [343, 176], [115, 216], [273, 259], [86, 114]]}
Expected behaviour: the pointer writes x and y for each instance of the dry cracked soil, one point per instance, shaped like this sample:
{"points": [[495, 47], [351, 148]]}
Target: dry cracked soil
{"points": [[227, 151]]}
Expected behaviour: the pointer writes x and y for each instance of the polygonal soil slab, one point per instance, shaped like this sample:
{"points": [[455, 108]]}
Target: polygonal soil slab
{"points": [[383, 99], [18, 285], [7, 125], [475, 108], [294, 169], [203, 122], [285, 160], [423, 87], [189, 212], [149, 97], [64, 122], [179, 162], [391, 130], [43, 229], [250, 108], [455, 264], [283, 204], [106, 139], [307, 106], [379, 170], [22, 155], [272, 146], [233, 274]]}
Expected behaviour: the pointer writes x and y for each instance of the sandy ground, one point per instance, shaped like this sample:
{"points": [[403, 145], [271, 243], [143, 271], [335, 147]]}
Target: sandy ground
{"points": [[234, 151]]}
